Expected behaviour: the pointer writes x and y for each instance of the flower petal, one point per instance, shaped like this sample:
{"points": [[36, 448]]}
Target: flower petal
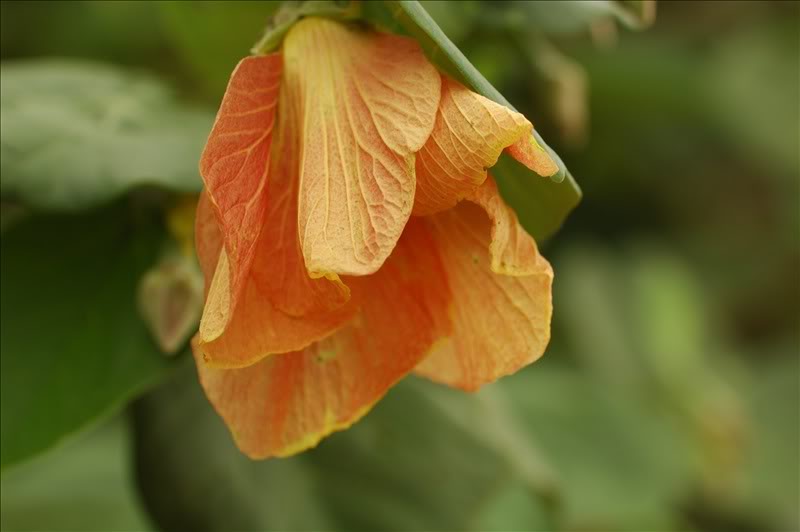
{"points": [[257, 329], [207, 237], [468, 136], [527, 151], [287, 403], [234, 167], [512, 250], [368, 102], [501, 293], [281, 309], [279, 269]]}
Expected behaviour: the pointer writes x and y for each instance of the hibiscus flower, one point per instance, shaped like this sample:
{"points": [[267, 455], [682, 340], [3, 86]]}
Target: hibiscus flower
{"points": [[349, 234]]}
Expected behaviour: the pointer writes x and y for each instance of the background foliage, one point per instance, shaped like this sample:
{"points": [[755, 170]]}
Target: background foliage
{"points": [[668, 400]]}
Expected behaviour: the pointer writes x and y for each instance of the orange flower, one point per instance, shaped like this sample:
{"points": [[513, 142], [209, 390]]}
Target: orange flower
{"points": [[349, 234]]}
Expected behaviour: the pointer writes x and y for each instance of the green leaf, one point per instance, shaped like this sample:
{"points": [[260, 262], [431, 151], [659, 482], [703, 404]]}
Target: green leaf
{"points": [[73, 347], [85, 486], [426, 458], [542, 204], [75, 134]]}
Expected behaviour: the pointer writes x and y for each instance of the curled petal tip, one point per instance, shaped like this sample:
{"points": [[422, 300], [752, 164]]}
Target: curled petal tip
{"points": [[528, 152]]}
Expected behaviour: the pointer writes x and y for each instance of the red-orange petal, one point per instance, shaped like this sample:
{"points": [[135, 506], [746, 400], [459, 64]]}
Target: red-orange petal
{"points": [[234, 167], [287, 403], [468, 136], [207, 238], [368, 102], [501, 289], [279, 269], [281, 309], [258, 330]]}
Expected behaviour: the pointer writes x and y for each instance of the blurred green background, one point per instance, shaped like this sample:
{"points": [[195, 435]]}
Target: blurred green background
{"points": [[668, 400]]}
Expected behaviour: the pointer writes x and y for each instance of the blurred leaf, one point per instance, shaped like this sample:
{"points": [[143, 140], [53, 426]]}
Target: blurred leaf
{"points": [[76, 133], [578, 15], [85, 486], [639, 325], [425, 458], [121, 31], [542, 204], [212, 37], [594, 315], [73, 347], [772, 486], [694, 383], [10, 214], [563, 86], [622, 464], [761, 117]]}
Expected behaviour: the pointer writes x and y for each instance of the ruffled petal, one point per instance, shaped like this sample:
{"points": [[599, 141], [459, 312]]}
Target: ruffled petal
{"points": [[257, 329], [501, 289], [279, 269], [512, 251], [527, 151], [281, 309], [234, 167], [468, 136], [368, 102], [287, 403]]}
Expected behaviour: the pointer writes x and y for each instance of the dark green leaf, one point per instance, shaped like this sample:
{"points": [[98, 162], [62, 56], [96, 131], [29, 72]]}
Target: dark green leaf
{"points": [[84, 486], [542, 204], [125, 31], [427, 458], [75, 134], [73, 346]]}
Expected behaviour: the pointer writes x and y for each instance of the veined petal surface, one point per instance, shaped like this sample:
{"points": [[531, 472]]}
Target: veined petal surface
{"points": [[287, 403], [512, 251], [281, 309], [234, 166], [279, 269], [468, 137], [367, 102], [527, 151], [501, 289]]}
